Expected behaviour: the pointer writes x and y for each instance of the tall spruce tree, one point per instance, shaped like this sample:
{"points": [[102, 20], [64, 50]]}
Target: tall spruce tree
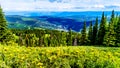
{"points": [[102, 30], [90, 34], [109, 39], [84, 35], [95, 31], [118, 33], [63, 39], [69, 38], [112, 17], [3, 26]]}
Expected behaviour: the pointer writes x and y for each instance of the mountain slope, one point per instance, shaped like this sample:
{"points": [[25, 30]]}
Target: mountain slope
{"points": [[53, 20], [48, 22]]}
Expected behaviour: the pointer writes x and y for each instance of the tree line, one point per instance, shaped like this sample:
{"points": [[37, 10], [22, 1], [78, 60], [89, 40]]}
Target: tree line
{"points": [[107, 33]]}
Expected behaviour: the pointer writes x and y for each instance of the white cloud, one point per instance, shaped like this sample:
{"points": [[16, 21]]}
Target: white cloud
{"points": [[98, 6], [58, 5]]}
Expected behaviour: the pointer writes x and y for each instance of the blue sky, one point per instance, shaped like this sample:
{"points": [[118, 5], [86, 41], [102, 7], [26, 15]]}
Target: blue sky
{"points": [[60, 5]]}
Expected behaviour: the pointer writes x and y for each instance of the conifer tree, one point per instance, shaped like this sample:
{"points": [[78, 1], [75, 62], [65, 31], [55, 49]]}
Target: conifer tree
{"points": [[90, 34], [112, 17], [84, 35], [3, 26], [118, 33], [102, 30], [69, 38], [63, 38], [95, 31], [109, 39]]}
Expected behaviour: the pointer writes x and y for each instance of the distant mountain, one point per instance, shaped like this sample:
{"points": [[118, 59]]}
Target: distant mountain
{"points": [[52, 20], [60, 14], [47, 22]]}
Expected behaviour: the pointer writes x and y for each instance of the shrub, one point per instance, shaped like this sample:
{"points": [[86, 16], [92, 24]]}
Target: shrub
{"points": [[59, 57]]}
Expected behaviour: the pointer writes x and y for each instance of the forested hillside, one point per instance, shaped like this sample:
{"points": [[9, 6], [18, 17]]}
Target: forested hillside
{"points": [[105, 34]]}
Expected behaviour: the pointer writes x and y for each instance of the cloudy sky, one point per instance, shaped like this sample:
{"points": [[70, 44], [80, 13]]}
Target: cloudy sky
{"points": [[60, 5]]}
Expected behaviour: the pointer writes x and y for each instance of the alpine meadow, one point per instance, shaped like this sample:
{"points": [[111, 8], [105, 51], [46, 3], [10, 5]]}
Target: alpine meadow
{"points": [[62, 34]]}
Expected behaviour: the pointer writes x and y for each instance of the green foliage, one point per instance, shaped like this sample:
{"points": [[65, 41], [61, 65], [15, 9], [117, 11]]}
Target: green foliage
{"points": [[5, 34], [90, 34], [69, 38], [102, 30], [84, 39], [43, 38], [95, 31], [110, 38], [112, 20], [3, 26], [30, 40], [62, 41], [59, 57], [118, 33]]}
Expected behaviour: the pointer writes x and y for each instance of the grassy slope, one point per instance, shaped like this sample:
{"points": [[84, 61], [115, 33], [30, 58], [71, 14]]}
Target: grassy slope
{"points": [[52, 57]]}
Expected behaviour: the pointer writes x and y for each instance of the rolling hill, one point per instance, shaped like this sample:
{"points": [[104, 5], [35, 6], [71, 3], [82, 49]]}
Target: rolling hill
{"points": [[52, 20]]}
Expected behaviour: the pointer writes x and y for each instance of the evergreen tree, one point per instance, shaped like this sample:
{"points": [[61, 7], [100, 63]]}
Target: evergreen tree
{"points": [[3, 26], [27, 40], [118, 33], [112, 17], [116, 19], [84, 35], [51, 39], [95, 31], [109, 39], [102, 30], [46, 36], [90, 34], [78, 39], [63, 39], [69, 38]]}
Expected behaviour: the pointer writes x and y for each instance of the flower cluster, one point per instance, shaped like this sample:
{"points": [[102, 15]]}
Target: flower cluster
{"points": [[52, 57]]}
